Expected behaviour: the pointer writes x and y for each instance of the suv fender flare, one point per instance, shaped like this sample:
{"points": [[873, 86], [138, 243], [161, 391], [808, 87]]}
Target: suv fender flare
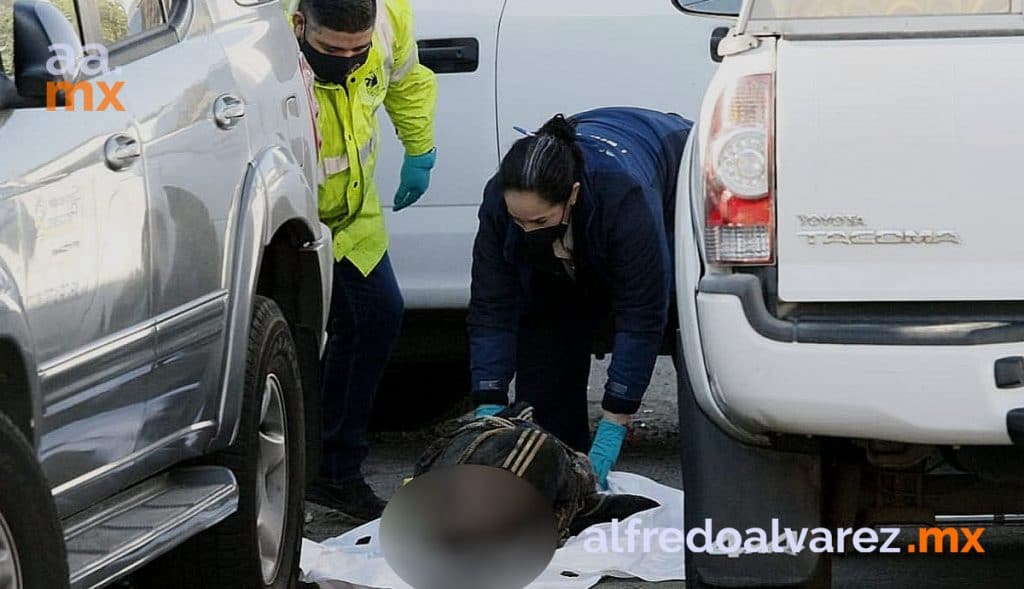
{"points": [[14, 329], [275, 192]]}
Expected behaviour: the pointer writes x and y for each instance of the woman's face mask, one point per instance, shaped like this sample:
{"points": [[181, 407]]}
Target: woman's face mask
{"points": [[542, 223], [540, 243]]}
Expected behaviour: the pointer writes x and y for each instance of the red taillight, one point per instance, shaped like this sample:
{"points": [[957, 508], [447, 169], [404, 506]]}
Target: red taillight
{"points": [[739, 174]]}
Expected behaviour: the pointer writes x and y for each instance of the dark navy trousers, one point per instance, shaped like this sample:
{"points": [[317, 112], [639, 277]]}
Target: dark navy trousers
{"points": [[365, 319], [556, 337]]}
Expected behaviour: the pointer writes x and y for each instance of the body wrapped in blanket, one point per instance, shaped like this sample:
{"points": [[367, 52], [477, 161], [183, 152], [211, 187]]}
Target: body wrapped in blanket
{"points": [[512, 441]]}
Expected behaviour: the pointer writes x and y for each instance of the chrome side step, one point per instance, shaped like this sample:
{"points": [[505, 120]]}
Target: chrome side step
{"points": [[134, 527]]}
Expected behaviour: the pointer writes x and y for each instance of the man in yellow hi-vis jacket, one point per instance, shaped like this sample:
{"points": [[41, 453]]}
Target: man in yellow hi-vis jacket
{"points": [[363, 54]]}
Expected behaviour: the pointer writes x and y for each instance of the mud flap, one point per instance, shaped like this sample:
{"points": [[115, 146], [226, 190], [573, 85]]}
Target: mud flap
{"points": [[741, 487]]}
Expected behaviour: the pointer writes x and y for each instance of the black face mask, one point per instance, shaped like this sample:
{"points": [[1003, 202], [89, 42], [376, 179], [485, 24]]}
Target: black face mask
{"points": [[332, 68], [540, 242]]}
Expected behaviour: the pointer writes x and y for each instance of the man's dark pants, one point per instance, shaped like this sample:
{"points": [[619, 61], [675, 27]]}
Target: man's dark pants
{"points": [[365, 319]]}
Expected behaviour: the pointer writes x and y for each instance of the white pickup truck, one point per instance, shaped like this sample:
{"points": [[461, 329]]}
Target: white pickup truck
{"points": [[507, 63], [850, 289]]}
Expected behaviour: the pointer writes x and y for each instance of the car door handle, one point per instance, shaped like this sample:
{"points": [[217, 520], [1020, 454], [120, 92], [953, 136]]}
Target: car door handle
{"points": [[121, 151], [228, 110], [450, 56]]}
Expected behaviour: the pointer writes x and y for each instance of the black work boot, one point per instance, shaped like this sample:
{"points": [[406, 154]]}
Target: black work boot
{"points": [[354, 499]]}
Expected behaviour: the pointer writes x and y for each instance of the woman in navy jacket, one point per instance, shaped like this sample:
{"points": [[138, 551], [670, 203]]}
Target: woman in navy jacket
{"points": [[575, 232]]}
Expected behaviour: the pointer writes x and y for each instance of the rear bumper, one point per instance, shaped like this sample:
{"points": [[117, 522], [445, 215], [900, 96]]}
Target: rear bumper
{"points": [[904, 331], [927, 384]]}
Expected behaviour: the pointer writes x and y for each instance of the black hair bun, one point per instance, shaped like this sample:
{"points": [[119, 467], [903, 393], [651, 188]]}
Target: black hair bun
{"points": [[560, 128]]}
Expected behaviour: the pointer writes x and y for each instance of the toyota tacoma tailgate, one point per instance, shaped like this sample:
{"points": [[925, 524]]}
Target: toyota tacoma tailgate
{"points": [[896, 179]]}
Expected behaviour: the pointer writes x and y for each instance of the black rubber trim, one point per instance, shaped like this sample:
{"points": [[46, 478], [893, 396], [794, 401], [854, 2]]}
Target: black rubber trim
{"points": [[156, 39], [1010, 372], [1015, 426], [142, 45], [937, 331], [180, 19]]}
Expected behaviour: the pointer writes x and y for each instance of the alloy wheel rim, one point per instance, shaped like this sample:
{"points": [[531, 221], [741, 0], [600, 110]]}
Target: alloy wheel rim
{"points": [[10, 569], [271, 478]]}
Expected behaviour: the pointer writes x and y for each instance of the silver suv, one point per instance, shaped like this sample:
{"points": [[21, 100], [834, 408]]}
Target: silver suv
{"points": [[162, 283]]}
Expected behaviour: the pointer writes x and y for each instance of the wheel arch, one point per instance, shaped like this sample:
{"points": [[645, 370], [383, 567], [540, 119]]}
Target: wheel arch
{"points": [[20, 398], [281, 251], [17, 384], [291, 275]]}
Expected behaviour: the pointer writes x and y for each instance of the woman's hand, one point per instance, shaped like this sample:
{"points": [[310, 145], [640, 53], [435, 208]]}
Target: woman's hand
{"points": [[611, 433]]}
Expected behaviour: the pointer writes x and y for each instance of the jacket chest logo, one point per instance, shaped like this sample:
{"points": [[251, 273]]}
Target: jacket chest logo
{"points": [[373, 87]]}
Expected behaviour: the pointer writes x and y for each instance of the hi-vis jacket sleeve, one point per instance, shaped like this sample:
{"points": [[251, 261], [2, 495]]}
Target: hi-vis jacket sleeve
{"points": [[412, 94]]}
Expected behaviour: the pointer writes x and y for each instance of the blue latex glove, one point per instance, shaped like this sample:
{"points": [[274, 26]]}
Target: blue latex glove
{"points": [[605, 451], [489, 410], [415, 178]]}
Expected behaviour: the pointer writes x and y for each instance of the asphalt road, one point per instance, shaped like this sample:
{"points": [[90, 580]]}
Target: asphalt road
{"points": [[654, 453]]}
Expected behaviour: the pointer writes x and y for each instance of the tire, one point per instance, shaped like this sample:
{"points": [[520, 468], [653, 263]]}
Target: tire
{"points": [[32, 554], [741, 487], [228, 556]]}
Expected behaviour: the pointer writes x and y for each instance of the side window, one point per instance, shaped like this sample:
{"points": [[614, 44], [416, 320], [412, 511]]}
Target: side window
{"points": [[121, 19], [68, 7]]}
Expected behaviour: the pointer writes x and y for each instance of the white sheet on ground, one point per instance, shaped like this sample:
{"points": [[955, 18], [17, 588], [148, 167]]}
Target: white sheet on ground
{"points": [[362, 564]]}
